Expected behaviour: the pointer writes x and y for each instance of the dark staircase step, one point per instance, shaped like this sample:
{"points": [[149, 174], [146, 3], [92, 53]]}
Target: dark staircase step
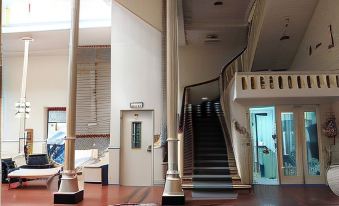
{"points": [[204, 120], [233, 178], [208, 136], [217, 163], [207, 120], [215, 177], [215, 185], [217, 147], [211, 157], [208, 130], [204, 135], [208, 143], [212, 184], [211, 170], [213, 195], [204, 145], [211, 149]]}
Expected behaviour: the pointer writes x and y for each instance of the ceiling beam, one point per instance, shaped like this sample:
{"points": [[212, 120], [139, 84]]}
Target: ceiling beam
{"points": [[215, 27]]}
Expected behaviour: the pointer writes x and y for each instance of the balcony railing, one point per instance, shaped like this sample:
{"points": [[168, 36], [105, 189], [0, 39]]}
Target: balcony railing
{"points": [[286, 84]]}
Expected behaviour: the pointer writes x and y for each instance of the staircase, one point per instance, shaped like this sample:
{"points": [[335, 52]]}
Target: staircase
{"points": [[214, 172]]}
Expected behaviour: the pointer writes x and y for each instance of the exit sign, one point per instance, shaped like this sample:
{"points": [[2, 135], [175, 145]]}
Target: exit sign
{"points": [[136, 105]]}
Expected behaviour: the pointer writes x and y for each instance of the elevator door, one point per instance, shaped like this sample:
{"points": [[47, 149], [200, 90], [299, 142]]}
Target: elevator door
{"points": [[136, 148]]}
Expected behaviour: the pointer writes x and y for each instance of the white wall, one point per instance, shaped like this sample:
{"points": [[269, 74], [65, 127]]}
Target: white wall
{"points": [[322, 58], [198, 63], [46, 87], [148, 10], [136, 74], [241, 142]]}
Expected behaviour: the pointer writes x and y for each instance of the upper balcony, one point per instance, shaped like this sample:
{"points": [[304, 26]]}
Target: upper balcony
{"points": [[286, 85]]}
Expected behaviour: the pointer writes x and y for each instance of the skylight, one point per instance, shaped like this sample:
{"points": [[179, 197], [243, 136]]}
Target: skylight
{"points": [[40, 15]]}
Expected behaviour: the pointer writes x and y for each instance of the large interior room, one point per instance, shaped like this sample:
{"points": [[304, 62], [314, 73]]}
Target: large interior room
{"points": [[169, 102]]}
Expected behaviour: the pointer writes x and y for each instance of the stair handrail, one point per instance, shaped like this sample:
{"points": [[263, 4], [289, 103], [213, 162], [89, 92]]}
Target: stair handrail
{"points": [[183, 126], [224, 68], [218, 78], [239, 63], [183, 102]]}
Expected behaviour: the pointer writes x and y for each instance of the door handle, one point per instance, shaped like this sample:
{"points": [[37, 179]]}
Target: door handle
{"points": [[266, 150], [149, 148]]}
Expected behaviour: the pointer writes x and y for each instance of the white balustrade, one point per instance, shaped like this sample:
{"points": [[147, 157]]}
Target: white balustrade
{"points": [[286, 84]]}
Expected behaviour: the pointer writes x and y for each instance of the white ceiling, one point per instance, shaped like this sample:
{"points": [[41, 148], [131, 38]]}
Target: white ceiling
{"points": [[48, 23], [200, 18], [40, 15], [53, 42], [227, 21], [271, 52]]}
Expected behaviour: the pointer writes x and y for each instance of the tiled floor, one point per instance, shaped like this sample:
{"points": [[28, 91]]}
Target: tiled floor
{"points": [[95, 194]]}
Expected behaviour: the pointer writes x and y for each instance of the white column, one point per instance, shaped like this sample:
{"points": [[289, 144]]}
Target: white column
{"points": [[1, 126], [173, 193], [22, 101], [69, 181], [69, 170]]}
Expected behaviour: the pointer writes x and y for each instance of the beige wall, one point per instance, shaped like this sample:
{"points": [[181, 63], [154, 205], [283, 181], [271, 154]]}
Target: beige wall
{"points": [[241, 142], [198, 63], [322, 58], [148, 10], [136, 74], [46, 87], [203, 62]]}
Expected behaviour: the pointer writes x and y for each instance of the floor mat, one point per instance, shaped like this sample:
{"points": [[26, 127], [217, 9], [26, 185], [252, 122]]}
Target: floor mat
{"points": [[135, 204], [207, 195]]}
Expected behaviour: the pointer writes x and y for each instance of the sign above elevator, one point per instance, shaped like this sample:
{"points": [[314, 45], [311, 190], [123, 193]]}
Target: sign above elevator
{"points": [[136, 105]]}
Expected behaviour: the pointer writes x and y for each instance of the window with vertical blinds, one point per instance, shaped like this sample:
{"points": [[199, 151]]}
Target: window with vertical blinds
{"points": [[93, 92]]}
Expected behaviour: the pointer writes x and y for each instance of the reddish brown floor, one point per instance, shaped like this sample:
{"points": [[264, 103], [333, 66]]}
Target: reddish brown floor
{"points": [[35, 195]]}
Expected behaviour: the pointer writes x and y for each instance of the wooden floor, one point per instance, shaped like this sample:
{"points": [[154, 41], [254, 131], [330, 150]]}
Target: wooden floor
{"points": [[95, 194]]}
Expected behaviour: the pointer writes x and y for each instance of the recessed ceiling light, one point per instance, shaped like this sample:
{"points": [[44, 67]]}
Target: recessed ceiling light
{"points": [[212, 36], [218, 3], [204, 98], [27, 38]]}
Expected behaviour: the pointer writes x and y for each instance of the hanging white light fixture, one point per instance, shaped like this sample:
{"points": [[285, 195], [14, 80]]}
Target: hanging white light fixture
{"points": [[23, 108]]}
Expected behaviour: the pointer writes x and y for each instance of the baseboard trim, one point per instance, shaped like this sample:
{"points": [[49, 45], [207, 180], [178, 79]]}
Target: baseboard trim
{"points": [[159, 182]]}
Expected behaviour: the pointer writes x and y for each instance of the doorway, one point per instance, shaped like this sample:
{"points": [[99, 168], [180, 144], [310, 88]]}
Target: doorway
{"points": [[264, 142], [136, 163], [299, 153]]}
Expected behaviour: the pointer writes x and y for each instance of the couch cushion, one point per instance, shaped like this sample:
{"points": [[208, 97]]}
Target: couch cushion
{"points": [[37, 159]]}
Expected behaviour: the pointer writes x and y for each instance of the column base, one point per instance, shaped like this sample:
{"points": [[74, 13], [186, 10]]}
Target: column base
{"points": [[173, 200], [173, 193], [68, 197]]}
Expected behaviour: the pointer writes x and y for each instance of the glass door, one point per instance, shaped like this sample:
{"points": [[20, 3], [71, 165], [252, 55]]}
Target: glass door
{"points": [[290, 155], [262, 120], [298, 145], [311, 146]]}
